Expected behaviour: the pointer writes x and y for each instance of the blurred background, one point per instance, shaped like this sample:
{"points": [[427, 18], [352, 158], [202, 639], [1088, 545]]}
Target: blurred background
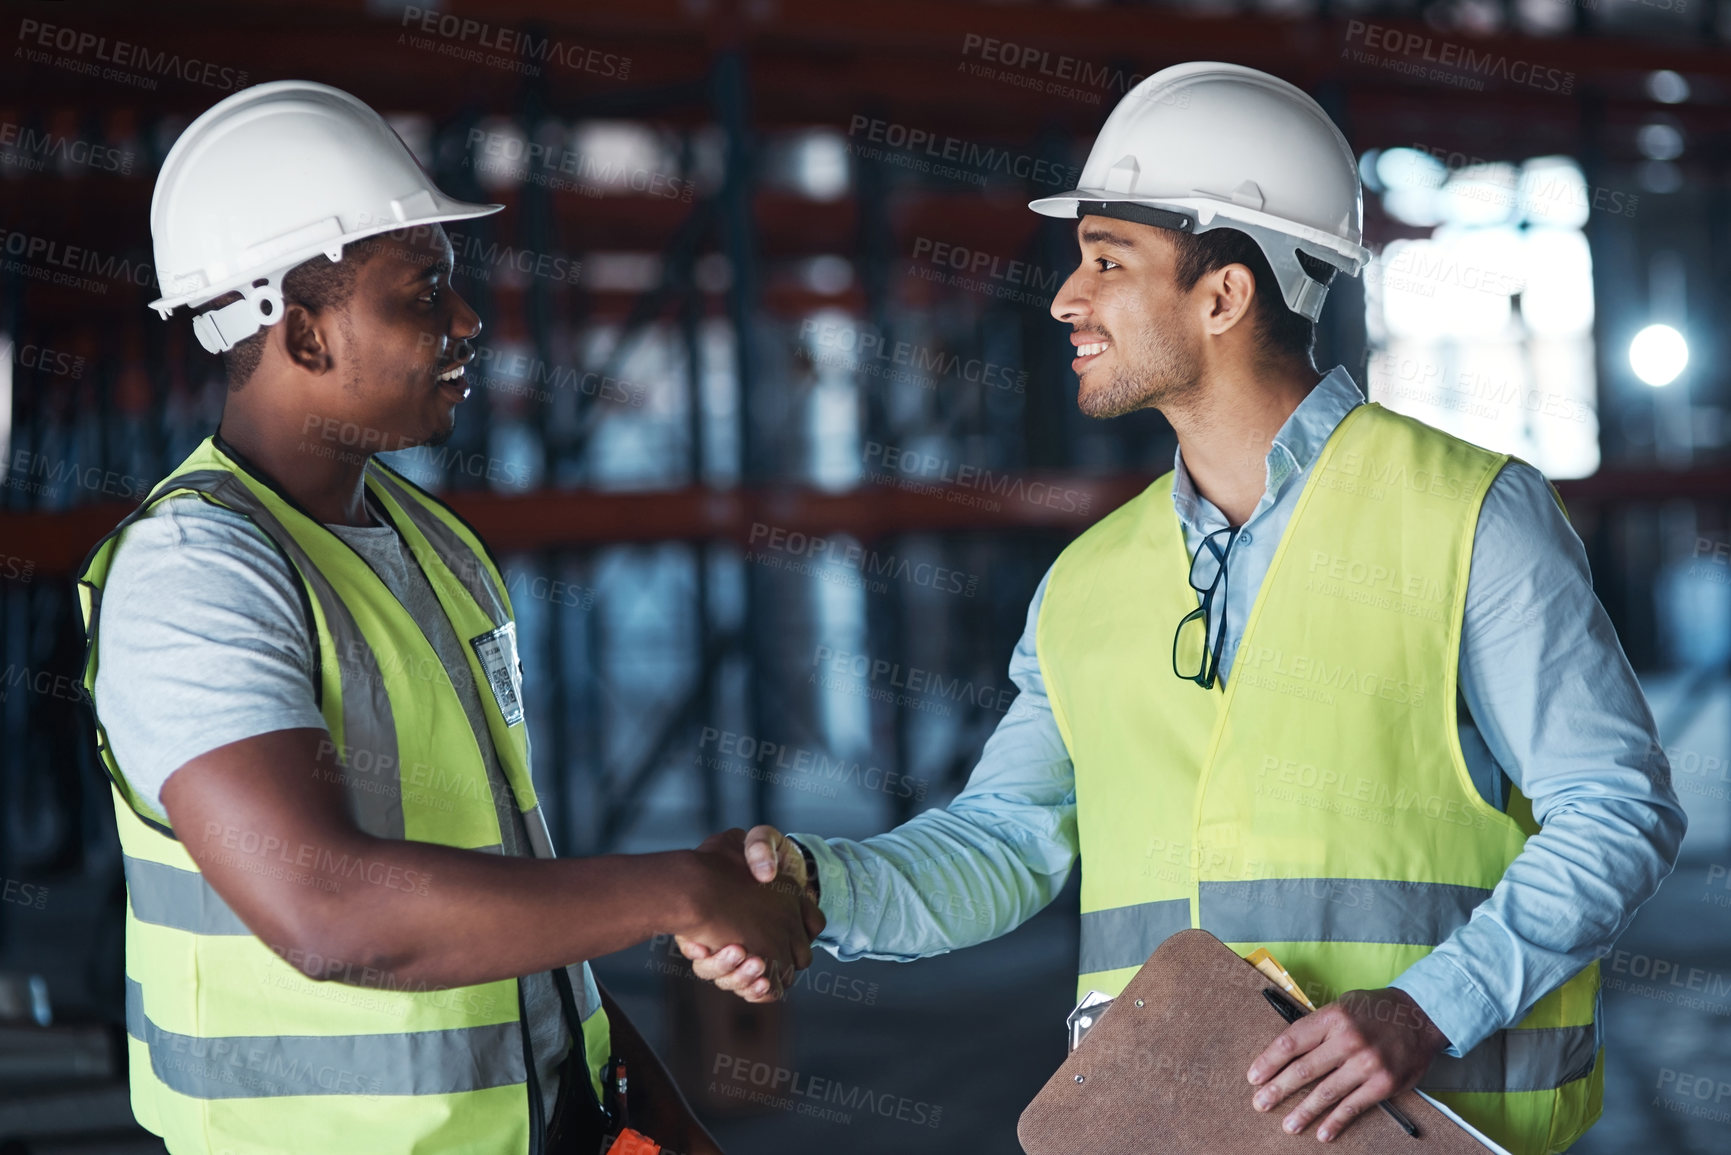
{"points": [[775, 437]]}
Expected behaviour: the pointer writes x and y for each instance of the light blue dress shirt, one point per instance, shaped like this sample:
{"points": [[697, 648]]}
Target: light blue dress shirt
{"points": [[1557, 710]]}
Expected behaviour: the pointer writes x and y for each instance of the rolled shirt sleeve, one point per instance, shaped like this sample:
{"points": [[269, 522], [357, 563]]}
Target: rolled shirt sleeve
{"points": [[952, 877], [203, 642], [1560, 710]]}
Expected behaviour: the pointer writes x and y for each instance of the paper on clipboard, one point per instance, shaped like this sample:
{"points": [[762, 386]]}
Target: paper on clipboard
{"points": [[1490, 1145]]}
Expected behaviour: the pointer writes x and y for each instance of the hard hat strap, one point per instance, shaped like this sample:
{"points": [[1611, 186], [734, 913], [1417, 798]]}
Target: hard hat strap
{"points": [[1303, 288], [220, 330], [1136, 214]]}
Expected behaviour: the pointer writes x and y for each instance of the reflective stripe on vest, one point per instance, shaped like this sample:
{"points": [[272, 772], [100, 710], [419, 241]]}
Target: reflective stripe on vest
{"points": [[164, 895], [1316, 802], [1285, 910], [444, 1062], [223, 1030]]}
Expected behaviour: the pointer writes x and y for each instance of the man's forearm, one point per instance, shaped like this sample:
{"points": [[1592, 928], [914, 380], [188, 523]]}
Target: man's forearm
{"points": [[384, 912], [267, 822], [1568, 895], [939, 882]]}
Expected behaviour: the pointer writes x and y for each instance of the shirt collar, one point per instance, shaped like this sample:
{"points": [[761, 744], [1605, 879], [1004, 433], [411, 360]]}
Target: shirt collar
{"points": [[1295, 446]]}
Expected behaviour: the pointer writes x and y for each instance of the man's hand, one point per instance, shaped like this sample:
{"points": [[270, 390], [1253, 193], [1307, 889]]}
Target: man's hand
{"points": [[1366, 1047], [749, 906], [772, 857]]}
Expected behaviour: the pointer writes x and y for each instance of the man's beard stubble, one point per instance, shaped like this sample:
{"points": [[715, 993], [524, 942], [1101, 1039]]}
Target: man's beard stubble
{"points": [[1153, 374]]}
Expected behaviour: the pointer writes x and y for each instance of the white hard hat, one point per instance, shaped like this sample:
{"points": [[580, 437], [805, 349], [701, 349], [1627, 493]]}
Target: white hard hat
{"points": [[270, 177], [1203, 146]]}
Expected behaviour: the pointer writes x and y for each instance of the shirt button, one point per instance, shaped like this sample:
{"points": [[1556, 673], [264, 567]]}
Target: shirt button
{"points": [[1245, 537]]}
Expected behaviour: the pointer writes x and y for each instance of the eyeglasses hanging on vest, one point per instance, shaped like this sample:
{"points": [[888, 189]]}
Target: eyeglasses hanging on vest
{"points": [[1207, 575]]}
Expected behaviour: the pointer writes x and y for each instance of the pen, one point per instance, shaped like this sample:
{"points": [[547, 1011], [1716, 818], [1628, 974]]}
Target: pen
{"points": [[620, 1087], [1292, 1014]]}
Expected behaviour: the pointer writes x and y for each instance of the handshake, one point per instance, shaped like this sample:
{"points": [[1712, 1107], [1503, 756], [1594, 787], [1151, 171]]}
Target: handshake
{"points": [[758, 916]]}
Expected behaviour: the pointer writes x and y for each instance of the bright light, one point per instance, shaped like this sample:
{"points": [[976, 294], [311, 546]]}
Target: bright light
{"points": [[1659, 141], [1412, 181], [1558, 298], [1409, 168], [1657, 354], [1667, 87], [1480, 194]]}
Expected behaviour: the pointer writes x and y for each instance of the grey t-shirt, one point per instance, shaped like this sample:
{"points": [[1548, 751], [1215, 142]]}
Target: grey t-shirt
{"points": [[204, 642]]}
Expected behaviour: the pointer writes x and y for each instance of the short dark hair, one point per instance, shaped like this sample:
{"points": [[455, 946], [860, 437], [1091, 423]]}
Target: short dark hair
{"points": [[318, 284], [1280, 332]]}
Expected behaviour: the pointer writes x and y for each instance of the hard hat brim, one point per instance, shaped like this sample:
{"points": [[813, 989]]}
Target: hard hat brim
{"points": [[1205, 210], [447, 209]]}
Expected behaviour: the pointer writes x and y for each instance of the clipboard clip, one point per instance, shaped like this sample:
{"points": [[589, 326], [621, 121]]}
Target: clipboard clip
{"points": [[1081, 1020]]}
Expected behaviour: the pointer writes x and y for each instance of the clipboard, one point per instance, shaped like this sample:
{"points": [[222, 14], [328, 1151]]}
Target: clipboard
{"points": [[1162, 1069]]}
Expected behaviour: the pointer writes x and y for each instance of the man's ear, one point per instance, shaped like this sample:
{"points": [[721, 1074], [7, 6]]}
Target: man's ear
{"points": [[306, 337], [1231, 293]]}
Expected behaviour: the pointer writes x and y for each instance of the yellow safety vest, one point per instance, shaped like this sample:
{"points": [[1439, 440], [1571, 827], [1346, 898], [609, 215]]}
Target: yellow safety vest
{"points": [[231, 1047], [1317, 803]]}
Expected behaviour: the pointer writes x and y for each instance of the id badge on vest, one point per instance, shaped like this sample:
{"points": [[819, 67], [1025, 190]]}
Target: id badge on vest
{"points": [[497, 651]]}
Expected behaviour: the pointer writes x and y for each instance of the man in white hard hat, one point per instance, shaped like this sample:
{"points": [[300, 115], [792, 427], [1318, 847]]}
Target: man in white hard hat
{"points": [[1336, 686], [346, 930]]}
